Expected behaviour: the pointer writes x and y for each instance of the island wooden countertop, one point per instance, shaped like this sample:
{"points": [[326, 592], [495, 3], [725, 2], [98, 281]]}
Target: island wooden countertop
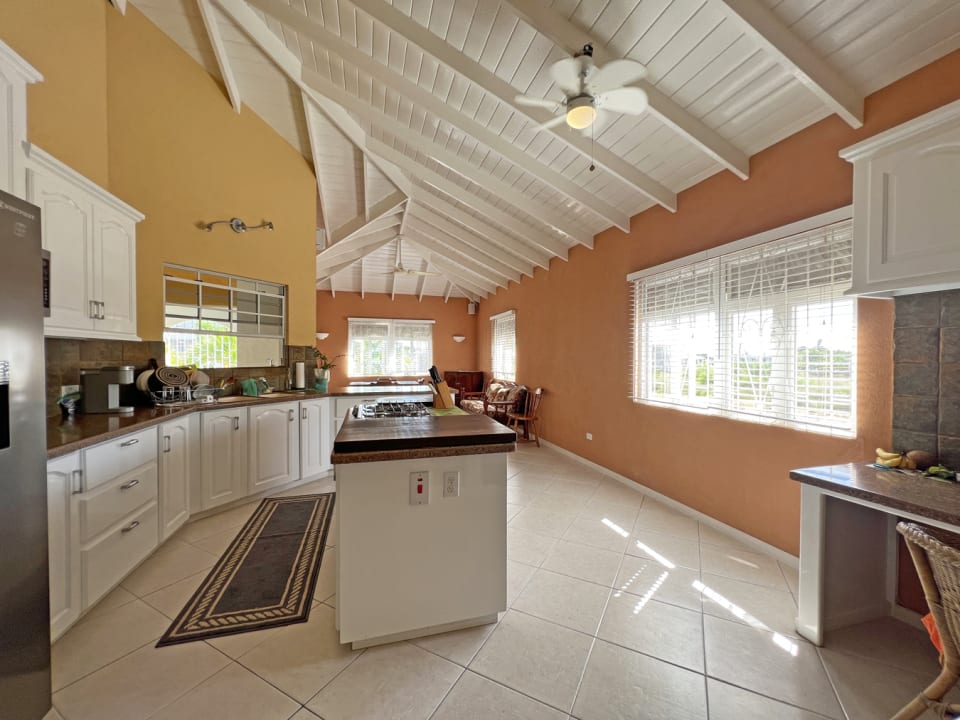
{"points": [[910, 492], [371, 439]]}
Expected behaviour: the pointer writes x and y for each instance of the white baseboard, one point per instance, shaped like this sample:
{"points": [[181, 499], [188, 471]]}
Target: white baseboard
{"points": [[749, 540], [908, 616]]}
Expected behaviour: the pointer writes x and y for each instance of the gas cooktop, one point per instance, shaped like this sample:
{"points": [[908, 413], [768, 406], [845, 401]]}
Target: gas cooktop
{"points": [[388, 409]]}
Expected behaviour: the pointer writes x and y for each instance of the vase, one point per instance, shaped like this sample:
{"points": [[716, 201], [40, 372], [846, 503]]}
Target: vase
{"points": [[322, 380]]}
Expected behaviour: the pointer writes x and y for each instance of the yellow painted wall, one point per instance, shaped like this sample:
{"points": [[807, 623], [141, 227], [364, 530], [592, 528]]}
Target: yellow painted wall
{"points": [[125, 106]]}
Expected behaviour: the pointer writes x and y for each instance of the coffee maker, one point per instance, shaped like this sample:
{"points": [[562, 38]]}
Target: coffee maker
{"points": [[101, 389]]}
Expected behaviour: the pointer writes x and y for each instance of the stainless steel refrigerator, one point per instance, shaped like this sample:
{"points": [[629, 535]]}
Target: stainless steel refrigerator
{"points": [[24, 583]]}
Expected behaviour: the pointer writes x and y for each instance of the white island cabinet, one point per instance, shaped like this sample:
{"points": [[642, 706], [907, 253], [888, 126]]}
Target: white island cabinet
{"points": [[223, 457], [274, 446], [906, 206], [63, 482]]}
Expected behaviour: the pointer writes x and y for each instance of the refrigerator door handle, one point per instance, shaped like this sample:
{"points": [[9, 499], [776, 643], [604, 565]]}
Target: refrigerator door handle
{"points": [[76, 482]]}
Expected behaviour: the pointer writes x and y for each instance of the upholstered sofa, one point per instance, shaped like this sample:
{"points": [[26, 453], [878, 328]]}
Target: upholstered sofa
{"points": [[497, 399]]}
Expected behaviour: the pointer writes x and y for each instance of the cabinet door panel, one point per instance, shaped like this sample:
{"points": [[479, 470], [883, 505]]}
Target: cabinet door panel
{"points": [[175, 442], [64, 543], [312, 440], [274, 446], [115, 276], [223, 458]]}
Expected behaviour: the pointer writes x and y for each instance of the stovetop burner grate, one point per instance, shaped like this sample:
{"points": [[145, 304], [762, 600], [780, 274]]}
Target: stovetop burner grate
{"points": [[386, 409]]}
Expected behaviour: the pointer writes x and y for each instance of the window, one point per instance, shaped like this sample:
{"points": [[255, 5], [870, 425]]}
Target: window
{"points": [[213, 320], [503, 345], [758, 330], [389, 347]]}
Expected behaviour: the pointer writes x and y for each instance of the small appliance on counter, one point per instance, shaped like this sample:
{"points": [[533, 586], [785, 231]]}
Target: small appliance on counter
{"points": [[101, 389]]}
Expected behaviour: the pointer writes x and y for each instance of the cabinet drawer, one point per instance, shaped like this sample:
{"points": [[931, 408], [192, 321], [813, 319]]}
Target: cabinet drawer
{"points": [[111, 502], [121, 455], [105, 563]]}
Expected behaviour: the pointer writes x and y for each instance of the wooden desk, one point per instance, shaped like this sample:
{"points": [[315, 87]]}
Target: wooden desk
{"points": [[848, 516]]}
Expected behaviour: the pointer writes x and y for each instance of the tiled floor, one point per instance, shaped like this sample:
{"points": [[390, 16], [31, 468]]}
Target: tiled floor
{"points": [[620, 608]]}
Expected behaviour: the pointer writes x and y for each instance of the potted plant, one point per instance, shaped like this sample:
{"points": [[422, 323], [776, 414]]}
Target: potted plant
{"points": [[324, 365]]}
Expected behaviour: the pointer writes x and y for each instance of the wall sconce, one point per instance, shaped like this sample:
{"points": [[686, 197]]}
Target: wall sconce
{"points": [[459, 338], [322, 336], [237, 225]]}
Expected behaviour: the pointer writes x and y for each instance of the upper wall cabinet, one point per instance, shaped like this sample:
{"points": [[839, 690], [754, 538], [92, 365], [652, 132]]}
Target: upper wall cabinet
{"points": [[906, 206], [15, 74], [91, 236]]}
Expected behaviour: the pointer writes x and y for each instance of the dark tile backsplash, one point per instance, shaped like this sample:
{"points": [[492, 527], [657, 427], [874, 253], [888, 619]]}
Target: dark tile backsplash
{"points": [[926, 376], [65, 359]]}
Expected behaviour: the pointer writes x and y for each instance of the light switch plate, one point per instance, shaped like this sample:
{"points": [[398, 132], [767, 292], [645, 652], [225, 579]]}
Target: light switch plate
{"points": [[419, 487], [451, 483]]}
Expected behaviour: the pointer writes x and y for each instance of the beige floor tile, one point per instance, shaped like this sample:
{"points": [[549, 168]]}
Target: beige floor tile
{"points": [[53, 714], [544, 522], [536, 657], [512, 511], [326, 576], [527, 547], [770, 664], [234, 693], [792, 576], [594, 531], [715, 536], [305, 714], [394, 681], [584, 562], [620, 683], [170, 564], [521, 496], [476, 698], [749, 567], [645, 577], [623, 516], [213, 524], [573, 603], [314, 487], [111, 601], [749, 604], [732, 703], [89, 646], [458, 646], [217, 543], [557, 503], [518, 575], [616, 493], [141, 683], [572, 491], [664, 631], [665, 549], [234, 646], [171, 599], [887, 641], [300, 659], [659, 518]]}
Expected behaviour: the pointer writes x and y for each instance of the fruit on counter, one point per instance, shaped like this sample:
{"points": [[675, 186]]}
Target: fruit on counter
{"points": [[922, 458], [895, 460], [941, 473]]}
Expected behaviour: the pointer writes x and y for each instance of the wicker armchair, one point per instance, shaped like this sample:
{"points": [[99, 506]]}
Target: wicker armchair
{"points": [[938, 566], [497, 399]]}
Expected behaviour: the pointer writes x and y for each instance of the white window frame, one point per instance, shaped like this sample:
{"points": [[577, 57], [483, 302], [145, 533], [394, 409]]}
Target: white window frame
{"points": [[722, 402], [499, 367], [392, 324]]}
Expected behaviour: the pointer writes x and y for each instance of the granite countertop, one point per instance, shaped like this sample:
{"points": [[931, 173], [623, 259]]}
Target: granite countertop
{"points": [[912, 493], [66, 435]]}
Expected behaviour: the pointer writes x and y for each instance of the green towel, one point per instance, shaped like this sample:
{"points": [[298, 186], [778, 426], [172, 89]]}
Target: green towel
{"points": [[440, 412]]}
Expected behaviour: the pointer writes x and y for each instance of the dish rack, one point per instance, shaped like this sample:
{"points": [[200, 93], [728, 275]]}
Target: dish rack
{"points": [[172, 396]]}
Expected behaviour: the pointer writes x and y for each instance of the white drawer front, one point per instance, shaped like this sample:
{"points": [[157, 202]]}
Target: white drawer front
{"points": [[103, 565], [111, 502], [116, 457]]}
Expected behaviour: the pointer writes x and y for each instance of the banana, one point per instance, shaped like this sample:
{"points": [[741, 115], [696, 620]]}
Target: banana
{"points": [[892, 462], [881, 453]]}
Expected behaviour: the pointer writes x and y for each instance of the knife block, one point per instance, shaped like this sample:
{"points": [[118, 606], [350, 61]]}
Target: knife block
{"points": [[443, 399]]}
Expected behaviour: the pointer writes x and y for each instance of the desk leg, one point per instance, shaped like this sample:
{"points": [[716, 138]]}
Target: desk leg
{"points": [[812, 531]]}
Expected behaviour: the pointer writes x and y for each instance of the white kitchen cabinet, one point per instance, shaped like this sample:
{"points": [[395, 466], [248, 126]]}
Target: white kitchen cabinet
{"points": [[63, 481], [223, 457], [315, 438], [906, 206], [91, 236], [174, 485], [15, 74], [274, 445]]}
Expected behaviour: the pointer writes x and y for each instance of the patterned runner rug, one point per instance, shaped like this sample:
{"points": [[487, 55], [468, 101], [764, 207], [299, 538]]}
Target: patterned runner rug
{"points": [[266, 577]]}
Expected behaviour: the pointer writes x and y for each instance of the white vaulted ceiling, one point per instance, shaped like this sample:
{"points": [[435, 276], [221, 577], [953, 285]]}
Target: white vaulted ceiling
{"points": [[407, 111]]}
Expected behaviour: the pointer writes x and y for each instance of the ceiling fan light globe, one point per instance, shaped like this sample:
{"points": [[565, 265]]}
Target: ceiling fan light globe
{"points": [[581, 113]]}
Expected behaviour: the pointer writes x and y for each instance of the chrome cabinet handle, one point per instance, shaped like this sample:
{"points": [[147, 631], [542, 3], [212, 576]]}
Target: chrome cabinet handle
{"points": [[166, 443], [128, 443], [103, 310], [132, 526], [100, 315], [290, 415], [76, 475], [132, 483], [236, 422], [303, 413], [93, 309]]}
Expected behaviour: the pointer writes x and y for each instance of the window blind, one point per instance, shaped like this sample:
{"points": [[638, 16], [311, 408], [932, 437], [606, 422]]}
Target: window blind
{"points": [[762, 333], [389, 347], [503, 345]]}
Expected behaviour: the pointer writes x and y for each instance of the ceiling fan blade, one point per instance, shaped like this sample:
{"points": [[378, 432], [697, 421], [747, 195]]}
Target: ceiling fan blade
{"points": [[615, 74], [558, 120], [626, 100], [536, 102], [566, 74]]}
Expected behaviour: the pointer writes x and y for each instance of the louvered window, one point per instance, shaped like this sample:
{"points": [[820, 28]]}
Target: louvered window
{"points": [[758, 330], [503, 345], [379, 347]]}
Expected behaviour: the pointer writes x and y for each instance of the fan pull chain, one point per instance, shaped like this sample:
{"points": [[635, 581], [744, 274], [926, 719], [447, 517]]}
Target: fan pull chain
{"points": [[593, 139]]}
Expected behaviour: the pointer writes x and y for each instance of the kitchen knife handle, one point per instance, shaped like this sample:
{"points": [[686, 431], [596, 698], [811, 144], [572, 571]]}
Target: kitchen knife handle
{"points": [[76, 487]]}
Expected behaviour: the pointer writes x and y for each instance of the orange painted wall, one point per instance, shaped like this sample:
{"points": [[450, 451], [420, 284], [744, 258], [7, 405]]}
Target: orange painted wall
{"points": [[451, 319], [573, 331]]}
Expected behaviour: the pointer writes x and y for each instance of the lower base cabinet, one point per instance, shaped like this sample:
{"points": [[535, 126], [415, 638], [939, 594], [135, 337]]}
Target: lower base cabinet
{"points": [[174, 471], [223, 457], [274, 442], [63, 480], [108, 559]]}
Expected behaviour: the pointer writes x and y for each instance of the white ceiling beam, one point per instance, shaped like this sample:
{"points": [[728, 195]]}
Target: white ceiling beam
{"points": [[310, 114], [380, 213], [333, 288], [551, 244], [378, 223], [337, 253], [475, 286], [762, 24], [406, 214], [366, 183], [446, 292], [456, 244], [363, 273], [464, 237], [290, 65], [445, 53], [422, 285], [208, 14], [393, 286], [443, 253], [120, 5], [431, 103], [458, 251], [512, 244], [549, 23]]}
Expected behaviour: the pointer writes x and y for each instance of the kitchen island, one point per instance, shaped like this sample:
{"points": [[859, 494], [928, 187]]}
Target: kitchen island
{"points": [[421, 525]]}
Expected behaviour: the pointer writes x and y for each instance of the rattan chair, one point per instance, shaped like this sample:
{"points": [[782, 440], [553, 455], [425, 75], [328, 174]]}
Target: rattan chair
{"points": [[529, 417], [938, 565]]}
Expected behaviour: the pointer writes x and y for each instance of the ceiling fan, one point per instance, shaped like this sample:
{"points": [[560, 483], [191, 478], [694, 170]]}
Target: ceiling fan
{"points": [[590, 92], [399, 269]]}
